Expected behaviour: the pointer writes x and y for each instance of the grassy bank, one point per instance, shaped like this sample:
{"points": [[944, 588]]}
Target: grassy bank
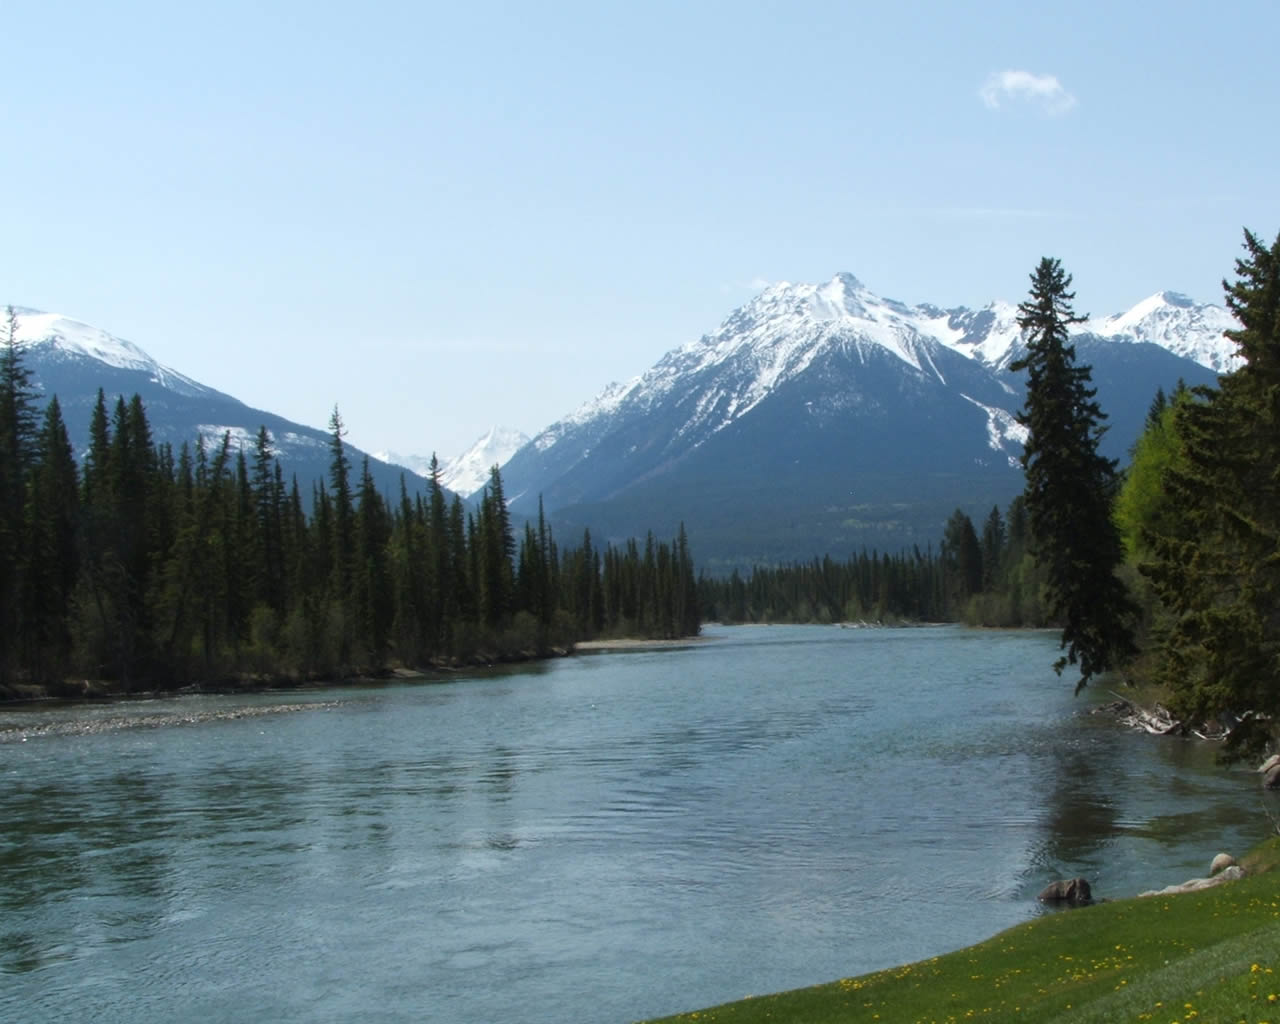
{"points": [[1211, 956]]}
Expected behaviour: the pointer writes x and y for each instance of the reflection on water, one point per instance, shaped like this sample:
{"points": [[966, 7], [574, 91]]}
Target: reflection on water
{"points": [[603, 838]]}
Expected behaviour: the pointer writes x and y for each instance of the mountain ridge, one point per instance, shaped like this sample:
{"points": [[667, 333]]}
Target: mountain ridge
{"points": [[73, 360], [851, 386]]}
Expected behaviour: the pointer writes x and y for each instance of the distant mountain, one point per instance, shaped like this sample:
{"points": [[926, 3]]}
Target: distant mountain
{"points": [[469, 472], [819, 418], [73, 360]]}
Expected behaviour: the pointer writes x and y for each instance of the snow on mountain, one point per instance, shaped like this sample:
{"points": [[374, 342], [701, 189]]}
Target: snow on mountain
{"points": [[74, 360], [63, 337], [284, 443], [818, 417], [773, 338], [1003, 429], [419, 464], [469, 472], [1174, 322], [780, 333]]}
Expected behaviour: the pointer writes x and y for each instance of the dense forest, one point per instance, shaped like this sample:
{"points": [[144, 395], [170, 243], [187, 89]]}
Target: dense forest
{"points": [[149, 568], [987, 579]]}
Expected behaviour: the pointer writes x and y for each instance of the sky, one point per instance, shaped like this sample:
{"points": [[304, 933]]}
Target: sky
{"points": [[441, 217]]}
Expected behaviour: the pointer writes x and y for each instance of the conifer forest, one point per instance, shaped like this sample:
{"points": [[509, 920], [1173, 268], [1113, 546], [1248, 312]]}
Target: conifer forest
{"points": [[152, 569]]}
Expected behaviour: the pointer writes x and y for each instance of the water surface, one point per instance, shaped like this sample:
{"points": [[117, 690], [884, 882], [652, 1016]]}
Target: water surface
{"points": [[602, 838]]}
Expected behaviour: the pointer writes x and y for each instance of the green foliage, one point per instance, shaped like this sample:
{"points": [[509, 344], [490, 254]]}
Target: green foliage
{"points": [[992, 582], [1206, 956], [155, 571], [1215, 549], [1070, 486], [867, 587], [17, 456], [1143, 507], [961, 559]]}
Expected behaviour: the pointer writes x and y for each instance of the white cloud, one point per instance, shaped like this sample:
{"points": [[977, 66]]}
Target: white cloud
{"points": [[1044, 91]]}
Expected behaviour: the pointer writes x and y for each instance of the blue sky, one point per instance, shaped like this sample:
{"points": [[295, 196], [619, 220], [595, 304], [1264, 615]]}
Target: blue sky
{"points": [[442, 218]]}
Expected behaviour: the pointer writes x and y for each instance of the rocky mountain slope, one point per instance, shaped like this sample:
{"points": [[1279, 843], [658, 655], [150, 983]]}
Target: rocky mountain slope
{"points": [[818, 418]]}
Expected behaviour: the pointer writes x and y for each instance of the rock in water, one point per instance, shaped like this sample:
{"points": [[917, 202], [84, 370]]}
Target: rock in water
{"points": [[1223, 860], [1075, 891], [1272, 779]]}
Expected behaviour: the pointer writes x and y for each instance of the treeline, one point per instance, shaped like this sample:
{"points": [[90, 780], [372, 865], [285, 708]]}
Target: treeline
{"points": [[1199, 514], [152, 568], [989, 579]]}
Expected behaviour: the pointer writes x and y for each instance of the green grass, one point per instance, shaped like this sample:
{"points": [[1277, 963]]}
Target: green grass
{"points": [[1206, 957]]}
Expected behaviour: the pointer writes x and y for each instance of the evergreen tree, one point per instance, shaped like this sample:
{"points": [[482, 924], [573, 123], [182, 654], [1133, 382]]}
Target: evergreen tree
{"points": [[343, 541], [1215, 563], [17, 456], [961, 560], [993, 538], [52, 562], [1070, 485]]}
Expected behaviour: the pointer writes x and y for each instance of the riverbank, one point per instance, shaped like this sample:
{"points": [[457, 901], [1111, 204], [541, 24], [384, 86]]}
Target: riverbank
{"points": [[588, 646], [97, 690], [1206, 956]]}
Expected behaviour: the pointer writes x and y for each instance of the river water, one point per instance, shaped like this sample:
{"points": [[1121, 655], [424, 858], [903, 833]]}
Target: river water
{"points": [[601, 838]]}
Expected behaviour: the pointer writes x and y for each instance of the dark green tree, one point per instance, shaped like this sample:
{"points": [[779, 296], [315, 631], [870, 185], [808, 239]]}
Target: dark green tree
{"points": [[1216, 545], [993, 538], [1070, 486], [961, 560], [52, 560], [17, 456]]}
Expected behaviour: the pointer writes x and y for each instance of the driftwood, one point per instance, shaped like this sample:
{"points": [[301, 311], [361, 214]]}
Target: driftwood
{"points": [[1228, 874], [1156, 720]]}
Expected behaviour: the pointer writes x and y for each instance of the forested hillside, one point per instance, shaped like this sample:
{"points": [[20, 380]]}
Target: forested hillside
{"points": [[153, 568]]}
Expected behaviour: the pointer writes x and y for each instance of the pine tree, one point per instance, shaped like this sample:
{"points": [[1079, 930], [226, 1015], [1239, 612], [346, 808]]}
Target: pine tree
{"points": [[1216, 566], [961, 560], [17, 456], [1070, 486], [993, 535], [52, 559]]}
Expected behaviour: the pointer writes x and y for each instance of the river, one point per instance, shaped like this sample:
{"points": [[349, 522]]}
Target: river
{"points": [[600, 838]]}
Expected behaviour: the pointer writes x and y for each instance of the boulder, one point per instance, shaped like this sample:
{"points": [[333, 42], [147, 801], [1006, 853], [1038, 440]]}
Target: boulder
{"points": [[1223, 860], [1269, 763], [1067, 890], [1272, 778]]}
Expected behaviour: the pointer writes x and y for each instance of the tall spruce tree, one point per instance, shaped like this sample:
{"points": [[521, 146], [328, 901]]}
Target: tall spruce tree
{"points": [[17, 456], [1070, 486], [1216, 565]]}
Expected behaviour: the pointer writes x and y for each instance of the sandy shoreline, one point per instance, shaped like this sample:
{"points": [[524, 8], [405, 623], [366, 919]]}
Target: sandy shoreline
{"points": [[638, 645]]}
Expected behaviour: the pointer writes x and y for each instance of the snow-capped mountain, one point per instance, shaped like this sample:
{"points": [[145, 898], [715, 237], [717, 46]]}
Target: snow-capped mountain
{"points": [[469, 472], [73, 360], [828, 396], [53, 338], [1175, 323]]}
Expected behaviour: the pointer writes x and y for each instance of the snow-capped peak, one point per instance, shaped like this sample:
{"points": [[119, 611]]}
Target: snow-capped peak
{"points": [[75, 339], [468, 472], [1174, 322], [777, 335]]}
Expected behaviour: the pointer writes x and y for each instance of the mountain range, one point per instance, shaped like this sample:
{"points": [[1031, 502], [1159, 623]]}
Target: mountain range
{"points": [[467, 473], [73, 360], [818, 418]]}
